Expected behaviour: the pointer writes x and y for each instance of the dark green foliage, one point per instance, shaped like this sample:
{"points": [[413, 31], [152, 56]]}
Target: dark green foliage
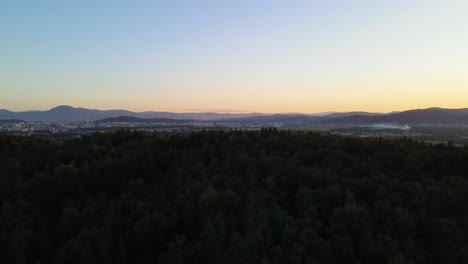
{"points": [[232, 197]]}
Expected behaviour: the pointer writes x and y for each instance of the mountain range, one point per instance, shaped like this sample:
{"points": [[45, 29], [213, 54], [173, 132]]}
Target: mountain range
{"points": [[132, 119], [72, 114], [416, 117]]}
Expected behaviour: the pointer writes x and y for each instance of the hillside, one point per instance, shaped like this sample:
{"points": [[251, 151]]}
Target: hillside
{"points": [[11, 121], [419, 117], [278, 118], [131, 119], [72, 114]]}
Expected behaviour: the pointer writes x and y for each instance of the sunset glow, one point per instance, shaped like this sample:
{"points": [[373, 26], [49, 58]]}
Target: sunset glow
{"points": [[234, 56]]}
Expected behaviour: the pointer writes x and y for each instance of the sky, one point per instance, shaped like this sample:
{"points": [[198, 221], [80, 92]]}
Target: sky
{"points": [[267, 56]]}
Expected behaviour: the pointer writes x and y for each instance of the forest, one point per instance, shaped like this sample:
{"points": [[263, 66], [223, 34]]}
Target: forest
{"points": [[266, 196]]}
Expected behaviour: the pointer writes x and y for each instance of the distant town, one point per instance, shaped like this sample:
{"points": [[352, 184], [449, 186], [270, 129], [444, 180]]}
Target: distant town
{"points": [[431, 125], [42, 128], [457, 135]]}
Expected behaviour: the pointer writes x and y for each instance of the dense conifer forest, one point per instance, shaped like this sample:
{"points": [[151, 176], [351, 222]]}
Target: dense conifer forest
{"points": [[264, 196]]}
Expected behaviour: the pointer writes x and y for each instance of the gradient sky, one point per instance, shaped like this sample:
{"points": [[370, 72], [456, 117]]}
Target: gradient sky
{"points": [[234, 56]]}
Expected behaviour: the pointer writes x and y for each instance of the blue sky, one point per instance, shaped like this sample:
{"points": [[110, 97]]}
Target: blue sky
{"points": [[269, 56]]}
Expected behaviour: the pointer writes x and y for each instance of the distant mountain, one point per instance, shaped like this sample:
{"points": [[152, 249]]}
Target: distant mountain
{"points": [[418, 117], [278, 118], [11, 121], [62, 113], [345, 114], [4, 114], [131, 119], [72, 114]]}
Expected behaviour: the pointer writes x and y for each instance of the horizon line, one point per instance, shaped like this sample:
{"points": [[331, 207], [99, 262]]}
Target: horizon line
{"points": [[233, 112]]}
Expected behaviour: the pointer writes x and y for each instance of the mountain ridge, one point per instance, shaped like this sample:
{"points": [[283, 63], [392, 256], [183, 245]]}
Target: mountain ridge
{"points": [[77, 114], [132, 119], [413, 117]]}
